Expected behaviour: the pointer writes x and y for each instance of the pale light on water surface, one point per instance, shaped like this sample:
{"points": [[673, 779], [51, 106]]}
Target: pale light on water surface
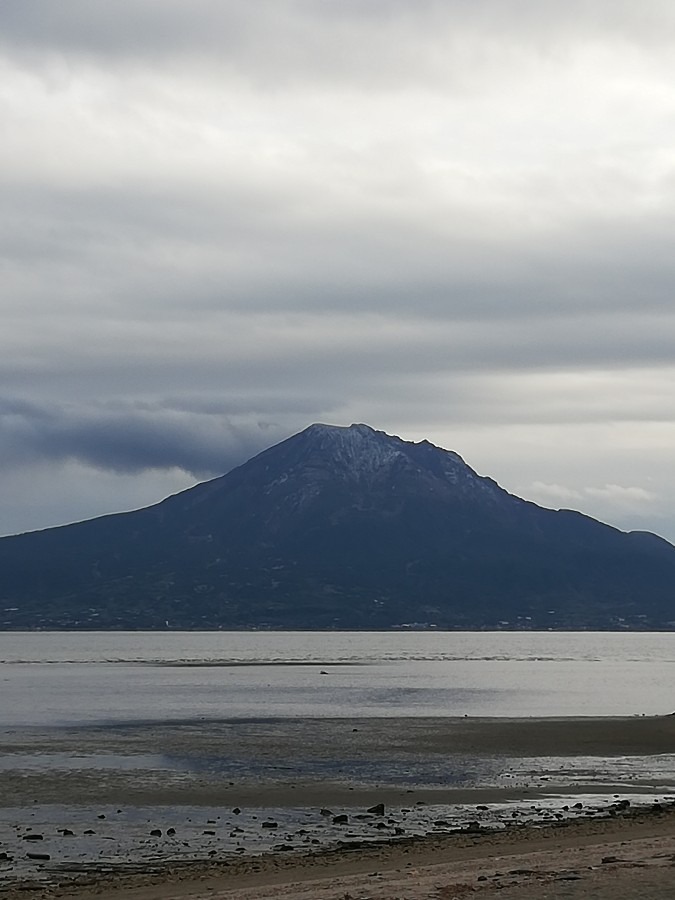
{"points": [[63, 678]]}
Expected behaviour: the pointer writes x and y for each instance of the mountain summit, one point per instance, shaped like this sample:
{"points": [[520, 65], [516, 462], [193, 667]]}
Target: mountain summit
{"points": [[339, 528]]}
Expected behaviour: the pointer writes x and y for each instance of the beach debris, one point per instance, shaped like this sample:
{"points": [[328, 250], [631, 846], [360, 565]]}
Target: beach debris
{"points": [[377, 810]]}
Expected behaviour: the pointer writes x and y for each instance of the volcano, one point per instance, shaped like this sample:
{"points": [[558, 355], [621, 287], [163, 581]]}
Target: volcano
{"points": [[339, 528]]}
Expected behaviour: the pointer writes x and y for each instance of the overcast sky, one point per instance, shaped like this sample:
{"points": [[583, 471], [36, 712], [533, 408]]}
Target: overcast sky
{"points": [[223, 220]]}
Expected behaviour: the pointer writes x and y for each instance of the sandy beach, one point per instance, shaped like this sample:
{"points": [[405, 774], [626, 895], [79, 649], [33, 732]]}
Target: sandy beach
{"points": [[630, 858], [365, 808]]}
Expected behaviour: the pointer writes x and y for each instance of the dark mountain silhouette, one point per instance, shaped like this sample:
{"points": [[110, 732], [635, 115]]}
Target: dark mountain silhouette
{"points": [[339, 528]]}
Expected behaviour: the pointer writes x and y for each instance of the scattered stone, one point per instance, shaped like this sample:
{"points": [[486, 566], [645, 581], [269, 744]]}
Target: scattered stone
{"points": [[33, 837], [325, 812], [38, 856], [208, 832], [66, 832], [377, 810], [236, 811], [270, 825], [101, 816], [170, 831], [89, 831], [156, 832], [342, 819]]}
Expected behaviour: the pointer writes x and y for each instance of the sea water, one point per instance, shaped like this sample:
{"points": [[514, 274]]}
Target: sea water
{"points": [[71, 678]]}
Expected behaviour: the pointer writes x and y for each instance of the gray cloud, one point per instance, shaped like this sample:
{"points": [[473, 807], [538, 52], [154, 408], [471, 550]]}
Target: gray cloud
{"points": [[134, 439], [222, 221], [354, 40]]}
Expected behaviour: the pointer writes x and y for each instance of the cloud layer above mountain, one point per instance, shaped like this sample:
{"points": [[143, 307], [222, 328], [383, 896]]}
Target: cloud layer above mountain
{"points": [[221, 221]]}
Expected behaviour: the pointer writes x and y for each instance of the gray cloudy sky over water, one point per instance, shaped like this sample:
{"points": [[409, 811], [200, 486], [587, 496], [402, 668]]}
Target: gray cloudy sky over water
{"points": [[223, 220]]}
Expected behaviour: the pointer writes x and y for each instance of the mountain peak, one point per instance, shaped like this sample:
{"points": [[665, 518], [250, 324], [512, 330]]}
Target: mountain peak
{"points": [[355, 433], [356, 448], [361, 449], [354, 428]]}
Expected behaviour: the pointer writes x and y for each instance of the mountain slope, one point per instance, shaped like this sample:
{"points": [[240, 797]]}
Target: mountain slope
{"points": [[339, 527]]}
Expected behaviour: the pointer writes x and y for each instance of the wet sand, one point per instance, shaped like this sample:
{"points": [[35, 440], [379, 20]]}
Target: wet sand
{"points": [[464, 799]]}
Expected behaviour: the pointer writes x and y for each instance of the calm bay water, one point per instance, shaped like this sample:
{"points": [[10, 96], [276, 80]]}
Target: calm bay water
{"points": [[74, 678]]}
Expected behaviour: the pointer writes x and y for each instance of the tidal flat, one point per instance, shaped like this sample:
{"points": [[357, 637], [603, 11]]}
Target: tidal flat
{"points": [[91, 804]]}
